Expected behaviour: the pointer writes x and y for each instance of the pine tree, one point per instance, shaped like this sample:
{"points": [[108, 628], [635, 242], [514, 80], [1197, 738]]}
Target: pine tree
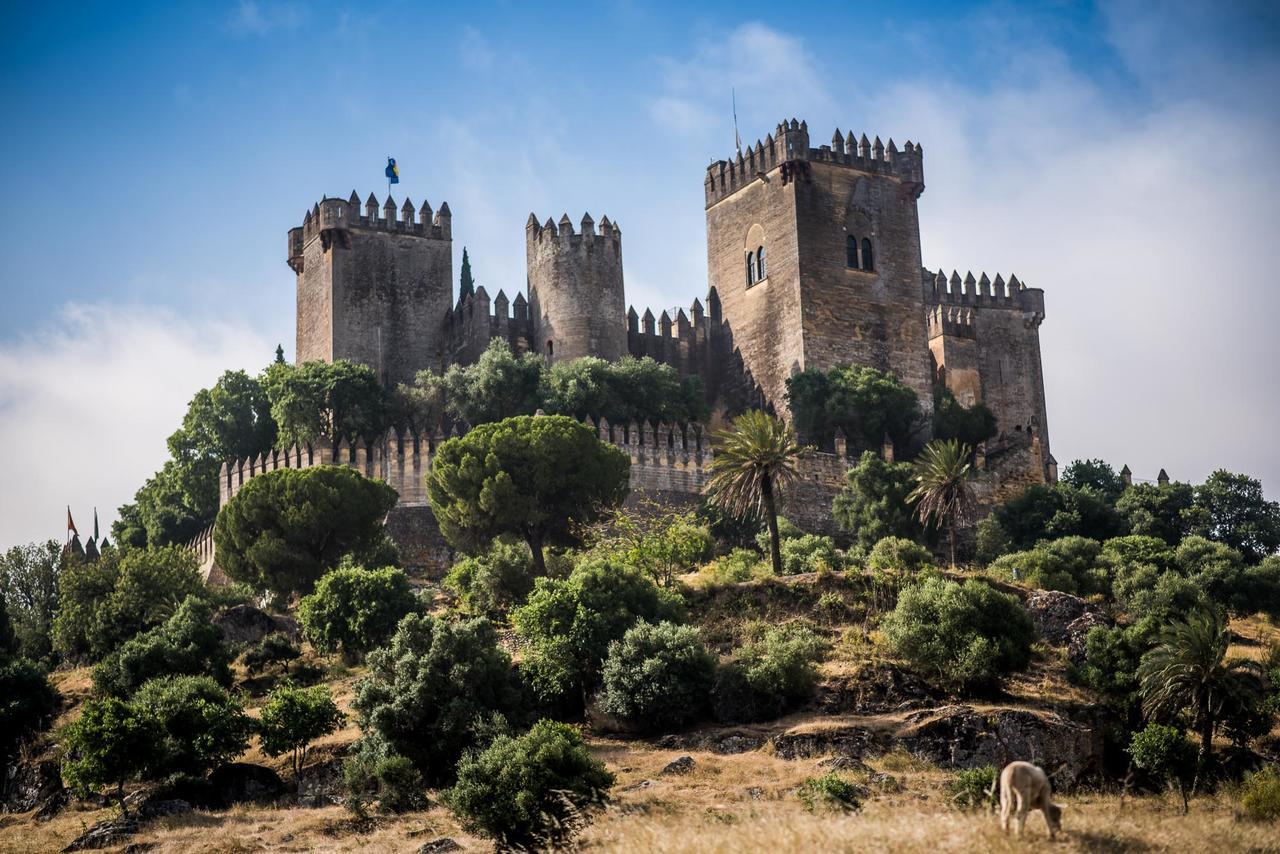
{"points": [[467, 287]]}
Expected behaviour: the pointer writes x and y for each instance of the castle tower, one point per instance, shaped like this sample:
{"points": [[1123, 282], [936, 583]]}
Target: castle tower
{"points": [[815, 256], [373, 289], [576, 301]]}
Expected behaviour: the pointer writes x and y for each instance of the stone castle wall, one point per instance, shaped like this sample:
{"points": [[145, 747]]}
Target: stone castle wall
{"points": [[576, 297]]}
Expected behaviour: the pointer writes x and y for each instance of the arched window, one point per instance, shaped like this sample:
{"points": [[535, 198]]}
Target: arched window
{"points": [[851, 252], [751, 269], [868, 261], [551, 348], [760, 271]]}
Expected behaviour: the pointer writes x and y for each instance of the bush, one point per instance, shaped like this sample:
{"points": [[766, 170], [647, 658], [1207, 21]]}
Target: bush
{"points": [[809, 553], [1065, 564], [1260, 796], [830, 792], [187, 644], [101, 605], [769, 675], [991, 540], [532, 790], [276, 648], [965, 636], [29, 593], [786, 531], [1110, 665], [657, 676], [391, 779], [737, 566], [195, 723], [355, 609], [293, 718], [109, 743], [971, 788], [570, 622], [426, 690], [899, 554], [491, 583], [27, 704], [677, 546], [1166, 754]]}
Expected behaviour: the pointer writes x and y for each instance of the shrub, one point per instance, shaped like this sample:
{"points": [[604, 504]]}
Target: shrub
{"points": [[531, 790], [27, 704], [1260, 796], [830, 792], [657, 676], [737, 566], [196, 724], [425, 691], [965, 636], [29, 596], [1110, 665], [276, 648], [187, 644], [1065, 564], [769, 675], [1144, 590], [570, 622], [1261, 586], [991, 540], [1166, 754], [809, 553], [355, 609], [393, 780], [873, 503], [489, 584], [109, 743], [971, 788], [677, 546], [786, 531], [293, 718], [900, 554]]}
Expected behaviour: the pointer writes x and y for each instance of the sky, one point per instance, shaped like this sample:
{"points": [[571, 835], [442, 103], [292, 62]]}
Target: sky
{"points": [[1121, 156]]}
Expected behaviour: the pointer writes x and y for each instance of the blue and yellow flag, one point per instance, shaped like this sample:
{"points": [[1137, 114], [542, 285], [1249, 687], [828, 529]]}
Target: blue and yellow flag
{"points": [[393, 172]]}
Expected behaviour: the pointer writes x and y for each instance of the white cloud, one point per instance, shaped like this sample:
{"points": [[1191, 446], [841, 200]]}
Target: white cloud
{"points": [[475, 50], [87, 402], [257, 19]]}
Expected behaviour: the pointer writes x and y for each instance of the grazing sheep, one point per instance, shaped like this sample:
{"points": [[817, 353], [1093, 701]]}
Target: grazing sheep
{"points": [[1025, 787]]}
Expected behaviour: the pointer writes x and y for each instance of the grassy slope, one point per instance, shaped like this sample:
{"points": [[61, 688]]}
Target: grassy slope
{"points": [[727, 803]]}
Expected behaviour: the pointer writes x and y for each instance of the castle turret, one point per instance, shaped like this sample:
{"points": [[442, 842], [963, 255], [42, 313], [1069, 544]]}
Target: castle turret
{"points": [[373, 289], [576, 295]]}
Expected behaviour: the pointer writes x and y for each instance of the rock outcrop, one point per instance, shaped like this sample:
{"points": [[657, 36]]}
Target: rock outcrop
{"points": [[245, 624], [1064, 620]]}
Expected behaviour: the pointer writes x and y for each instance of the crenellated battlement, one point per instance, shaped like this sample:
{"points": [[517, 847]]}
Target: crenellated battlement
{"points": [[954, 320], [330, 215], [940, 289], [790, 143], [609, 237]]}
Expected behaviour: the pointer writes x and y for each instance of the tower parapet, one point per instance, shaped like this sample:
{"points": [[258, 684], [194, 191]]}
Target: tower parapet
{"points": [[788, 146], [576, 298]]}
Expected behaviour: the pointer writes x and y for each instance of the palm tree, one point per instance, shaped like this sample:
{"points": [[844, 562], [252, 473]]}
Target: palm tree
{"points": [[1188, 669], [943, 496], [754, 463]]}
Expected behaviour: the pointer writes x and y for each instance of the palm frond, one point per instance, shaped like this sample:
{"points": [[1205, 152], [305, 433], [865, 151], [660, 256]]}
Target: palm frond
{"points": [[757, 453]]}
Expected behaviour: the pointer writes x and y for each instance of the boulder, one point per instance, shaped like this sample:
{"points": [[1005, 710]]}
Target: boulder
{"points": [[436, 846], [732, 744], [31, 784], [1062, 618], [875, 689], [104, 834], [683, 765], [242, 782], [848, 742], [245, 624], [1078, 633]]}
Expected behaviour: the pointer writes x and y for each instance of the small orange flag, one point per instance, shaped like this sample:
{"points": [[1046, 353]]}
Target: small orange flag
{"points": [[71, 525]]}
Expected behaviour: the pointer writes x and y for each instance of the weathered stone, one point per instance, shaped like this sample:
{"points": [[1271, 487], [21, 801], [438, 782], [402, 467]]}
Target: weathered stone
{"points": [[241, 782], [245, 624], [1053, 613], [104, 834], [849, 742], [28, 784], [436, 846], [683, 765], [738, 744]]}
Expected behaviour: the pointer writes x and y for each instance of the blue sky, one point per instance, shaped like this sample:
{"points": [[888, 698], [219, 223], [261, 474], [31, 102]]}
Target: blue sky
{"points": [[156, 154]]}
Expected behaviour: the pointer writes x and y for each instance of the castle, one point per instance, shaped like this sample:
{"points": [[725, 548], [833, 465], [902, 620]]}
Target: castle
{"points": [[813, 260]]}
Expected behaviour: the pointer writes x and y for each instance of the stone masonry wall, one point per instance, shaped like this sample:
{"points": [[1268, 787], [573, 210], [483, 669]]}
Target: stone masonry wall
{"points": [[576, 298]]}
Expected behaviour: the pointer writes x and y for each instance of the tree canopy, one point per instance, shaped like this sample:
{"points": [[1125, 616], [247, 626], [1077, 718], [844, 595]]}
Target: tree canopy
{"points": [[1236, 513], [866, 403], [873, 503], [318, 401]]}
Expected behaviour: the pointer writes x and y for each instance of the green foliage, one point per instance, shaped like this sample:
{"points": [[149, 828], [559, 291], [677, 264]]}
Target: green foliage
{"points": [[1260, 795], [1050, 511], [970, 425], [8, 640], [355, 609], [293, 718], [570, 622], [965, 636], [810, 553], [286, 528], [786, 531], [187, 644], [676, 544], [466, 284], [530, 791], [1260, 587], [493, 582], [194, 723], [29, 591], [276, 648], [970, 788], [627, 391], [109, 743], [101, 605], [425, 691], [830, 793], [737, 566], [943, 496], [498, 385], [991, 540], [657, 677], [1165, 512], [754, 464], [899, 554], [873, 504], [866, 403], [391, 778], [27, 703], [769, 675], [326, 401], [230, 420], [1235, 512], [1110, 665], [538, 478], [1066, 564], [1164, 753], [1098, 475]]}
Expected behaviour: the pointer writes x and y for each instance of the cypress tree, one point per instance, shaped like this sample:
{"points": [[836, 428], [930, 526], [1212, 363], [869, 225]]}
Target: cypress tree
{"points": [[467, 287]]}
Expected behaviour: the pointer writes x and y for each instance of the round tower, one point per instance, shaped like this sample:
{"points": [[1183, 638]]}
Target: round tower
{"points": [[576, 301]]}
